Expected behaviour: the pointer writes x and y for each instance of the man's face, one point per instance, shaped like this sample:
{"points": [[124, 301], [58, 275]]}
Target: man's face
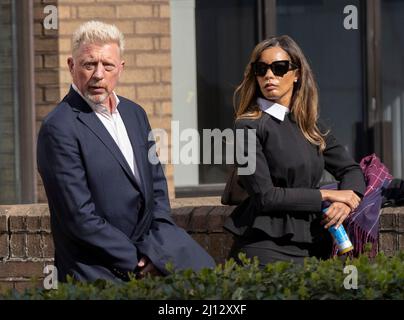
{"points": [[95, 69]]}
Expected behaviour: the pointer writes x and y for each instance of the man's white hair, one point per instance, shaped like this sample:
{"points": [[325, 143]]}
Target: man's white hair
{"points": [[97, 32]]}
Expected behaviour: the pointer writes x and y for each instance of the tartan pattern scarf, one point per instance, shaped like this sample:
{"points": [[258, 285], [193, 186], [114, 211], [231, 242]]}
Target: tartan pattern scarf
{"points": [[362, 225]]}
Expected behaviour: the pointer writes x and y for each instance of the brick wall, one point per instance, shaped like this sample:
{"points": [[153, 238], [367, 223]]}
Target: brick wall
{"points": [[147, 75], [26, 245], [392, 230]]}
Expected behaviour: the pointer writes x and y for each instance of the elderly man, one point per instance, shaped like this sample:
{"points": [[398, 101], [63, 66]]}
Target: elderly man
{"points": [[110, 212]]}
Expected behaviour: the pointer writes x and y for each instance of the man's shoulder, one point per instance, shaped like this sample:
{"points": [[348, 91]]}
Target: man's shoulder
{"points": [[131, 105], [59, 113], [68, 108], [62, 116]]}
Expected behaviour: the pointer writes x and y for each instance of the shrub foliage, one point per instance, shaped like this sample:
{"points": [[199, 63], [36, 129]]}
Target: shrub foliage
{"points": [[379, 278]]}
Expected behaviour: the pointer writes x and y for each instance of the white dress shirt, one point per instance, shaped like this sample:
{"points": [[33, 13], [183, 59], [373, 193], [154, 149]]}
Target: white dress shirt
{"points": [[116, 128], [274, 109]]}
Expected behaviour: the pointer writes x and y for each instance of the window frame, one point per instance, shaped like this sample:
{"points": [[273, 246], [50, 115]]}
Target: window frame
{"points": [[25, 91]]}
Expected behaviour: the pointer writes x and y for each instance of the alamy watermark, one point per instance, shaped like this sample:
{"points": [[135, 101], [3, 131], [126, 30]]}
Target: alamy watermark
{"points": [[351, 280], [218, 147], [51, 277], [351, 19], [50, 282], [51, 20]]}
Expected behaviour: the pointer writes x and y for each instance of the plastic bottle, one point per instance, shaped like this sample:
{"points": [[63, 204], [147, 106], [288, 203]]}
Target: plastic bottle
{"points": [[340, 237]]}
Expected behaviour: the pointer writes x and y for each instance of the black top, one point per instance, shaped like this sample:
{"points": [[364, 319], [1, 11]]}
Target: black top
{"points": [[284, 198]]}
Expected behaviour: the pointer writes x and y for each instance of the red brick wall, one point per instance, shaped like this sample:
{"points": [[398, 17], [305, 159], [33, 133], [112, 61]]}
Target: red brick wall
{"points": [[392, 230], [26, 246]]}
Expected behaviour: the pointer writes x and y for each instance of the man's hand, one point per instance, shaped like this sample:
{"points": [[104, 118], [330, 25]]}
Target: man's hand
{"points": [[336, 213], [145, 266]]}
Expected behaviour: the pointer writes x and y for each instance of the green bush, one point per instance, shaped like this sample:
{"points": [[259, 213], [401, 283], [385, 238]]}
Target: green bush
{"points": [[380, 278]]}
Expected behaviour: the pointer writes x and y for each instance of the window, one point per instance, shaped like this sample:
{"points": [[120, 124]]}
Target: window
{"points": [[211, 44], [17, 130], [360, 72], [9, 177], [335, 55], [226, 33], [392, 74]]}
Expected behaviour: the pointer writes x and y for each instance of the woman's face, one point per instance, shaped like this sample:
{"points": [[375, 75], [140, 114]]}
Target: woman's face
{"points": [[278, 89]]}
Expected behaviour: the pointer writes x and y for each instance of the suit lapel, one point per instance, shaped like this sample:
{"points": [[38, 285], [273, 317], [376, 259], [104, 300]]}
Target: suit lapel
{"points": [[132, 128], [89, 118]]}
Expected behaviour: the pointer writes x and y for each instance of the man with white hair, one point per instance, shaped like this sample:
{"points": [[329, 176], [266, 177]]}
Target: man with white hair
{"points": [[110, 213]]}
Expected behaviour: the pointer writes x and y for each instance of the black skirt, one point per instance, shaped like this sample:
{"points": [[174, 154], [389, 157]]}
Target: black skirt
{"points": [[256, 243]]}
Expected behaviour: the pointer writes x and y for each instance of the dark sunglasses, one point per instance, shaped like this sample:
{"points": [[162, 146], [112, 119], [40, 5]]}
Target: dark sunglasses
{"points": [[279, 68]]}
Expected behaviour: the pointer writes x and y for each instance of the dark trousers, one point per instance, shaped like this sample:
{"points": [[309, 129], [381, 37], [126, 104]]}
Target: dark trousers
{"points": [[256, 243]]}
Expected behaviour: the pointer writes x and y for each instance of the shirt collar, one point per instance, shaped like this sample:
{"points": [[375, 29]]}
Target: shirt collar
{"points": [[98, 107], [274, 109]]}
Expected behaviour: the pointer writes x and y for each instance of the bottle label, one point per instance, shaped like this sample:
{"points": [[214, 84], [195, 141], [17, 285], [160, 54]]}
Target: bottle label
{"points": [[341, 237]]}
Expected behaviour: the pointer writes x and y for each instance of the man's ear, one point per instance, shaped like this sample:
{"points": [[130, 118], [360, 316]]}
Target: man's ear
{"points": [[70, 63], [121, 67]]}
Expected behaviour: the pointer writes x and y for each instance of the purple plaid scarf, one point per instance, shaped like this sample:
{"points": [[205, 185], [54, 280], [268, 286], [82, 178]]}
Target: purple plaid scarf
{"points": [[362, 225]]}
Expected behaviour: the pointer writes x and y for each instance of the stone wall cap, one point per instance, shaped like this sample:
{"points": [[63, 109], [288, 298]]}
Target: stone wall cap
{"points": [[37, 209], [195, 202]]}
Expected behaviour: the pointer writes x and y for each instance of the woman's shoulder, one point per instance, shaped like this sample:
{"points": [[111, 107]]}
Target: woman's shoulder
{"points": [[245, 122], [250, 122]]}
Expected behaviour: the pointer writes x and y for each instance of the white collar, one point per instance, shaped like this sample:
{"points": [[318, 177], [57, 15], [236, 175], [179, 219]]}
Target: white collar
{"points": [[274, 109], [98, 107]]}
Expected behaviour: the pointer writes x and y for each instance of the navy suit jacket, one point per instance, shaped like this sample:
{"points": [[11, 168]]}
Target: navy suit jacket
{"points": [[102, 220]]}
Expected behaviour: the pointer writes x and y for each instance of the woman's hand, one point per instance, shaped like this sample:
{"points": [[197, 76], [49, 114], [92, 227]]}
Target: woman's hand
{"points": [[348, 197], [336, 214]]}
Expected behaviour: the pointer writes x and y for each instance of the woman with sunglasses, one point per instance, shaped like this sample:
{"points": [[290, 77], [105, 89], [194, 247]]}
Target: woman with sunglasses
{"points": [[282, 218]]}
